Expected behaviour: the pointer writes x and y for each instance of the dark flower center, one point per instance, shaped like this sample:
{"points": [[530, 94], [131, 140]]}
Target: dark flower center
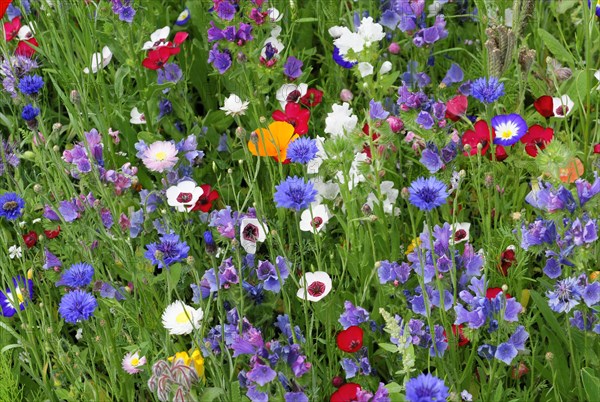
{"points": [[250, 232], [460, 234], [354, 344], [10, 205], [427, 195], [168, 250], [316, 222], [293, 96], [316, 289], [184, 197], [562, 110]]}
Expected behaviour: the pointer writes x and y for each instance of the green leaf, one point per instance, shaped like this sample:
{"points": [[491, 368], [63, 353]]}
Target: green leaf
{"points": [[120, 75], [591, 383], [307, 19], [389, 347], [555, 47], [210, 394], [149, 137], [549, 316]]}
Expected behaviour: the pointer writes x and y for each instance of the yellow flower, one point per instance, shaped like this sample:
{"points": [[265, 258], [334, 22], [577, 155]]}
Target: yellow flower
{"points": [[196, 358], [414, 243]]}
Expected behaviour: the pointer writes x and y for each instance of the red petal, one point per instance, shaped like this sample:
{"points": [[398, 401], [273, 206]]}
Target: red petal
{"points": [[350, 340], [180, 37], [26, 47], [544, 106], [3, 6], [346, 393], [278, 115]]}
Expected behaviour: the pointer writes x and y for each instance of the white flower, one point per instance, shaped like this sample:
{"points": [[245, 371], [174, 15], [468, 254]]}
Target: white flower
{"points": [[389, 202], [36, 220], [137, 117], [354, 174], [234, 106], [184, 195], [370, 31], [314, 286], [274, 14], [312, 167], [79, 334], [181, 319], [338, 31], [314, 219], [14, 251], [562, 106], [365, 69], [460, 232], [132, 361], [340, 120], [435, 7], [326, 189], [276, 43], [508, 17], [290, 93], [99, 60], [251, 232], [157, 38], [386, 67], [25, 32], [349, 41], [276, 31]]}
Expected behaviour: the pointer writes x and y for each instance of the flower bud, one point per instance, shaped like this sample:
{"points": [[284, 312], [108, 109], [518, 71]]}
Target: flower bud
{"points": [[597, 149], [56, 127], [38, 188], [75, 97], [394, 48], [404, 193], [504, 288], [240, 132], [346, 95], [396, 124], [337, 381], [262, 119]]}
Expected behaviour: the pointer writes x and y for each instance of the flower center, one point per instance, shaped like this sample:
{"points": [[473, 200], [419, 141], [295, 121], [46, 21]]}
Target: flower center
{"points": [[317, 222], [135, 361], [161, 155], [562, 110], [316, 289], [460, 234], [183, 317], [293, 96], [427, 195], [250, 232], [184, 197], [10, 205], [354, 344]]}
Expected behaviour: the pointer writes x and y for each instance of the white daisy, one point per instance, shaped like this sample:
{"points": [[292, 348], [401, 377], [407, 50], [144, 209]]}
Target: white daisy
{"points": [[314, 286], [184, 195], [181, 319], [234, 106], [314, 219]]}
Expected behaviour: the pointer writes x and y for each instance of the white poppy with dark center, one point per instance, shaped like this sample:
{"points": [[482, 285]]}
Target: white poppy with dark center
{"points": [[314, 219], [158, 38], [184, 195], [562, 106], [460, 232], [314, 286], [252, 232], [290, 93]]}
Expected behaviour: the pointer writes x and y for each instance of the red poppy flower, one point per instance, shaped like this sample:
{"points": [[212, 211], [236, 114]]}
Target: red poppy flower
{"points": [[456, 107], [295, 115], [597, 149], [158, 57], [11, 29], [26, 47], [30, 239], [501, 153], [350, 340], [206, 200], [179, 38], [544, 106], [491, 293], [3, 6], [346, 393], [312, 98], [51, 234], [457, 330], [507, 259], [537, 137], [481, 135]]}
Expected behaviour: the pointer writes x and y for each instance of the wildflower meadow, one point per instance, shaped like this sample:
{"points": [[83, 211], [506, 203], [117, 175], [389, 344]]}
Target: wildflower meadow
{"points": [[300, 200]]}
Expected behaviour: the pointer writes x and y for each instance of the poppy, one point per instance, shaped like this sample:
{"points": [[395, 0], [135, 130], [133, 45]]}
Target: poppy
{"points": [[26, 47], [350, 340], [157, 58], [295, 115], [501, 153], [206, 200], [537, 137], [457, 330], [571, 172], [456, 107], [3, 6], [312, 98], [272, 141], [519, 371], [51, 234], [374, 137], [491, 293], [30, 239], [481, 135], [11, 29], [346, 393], [507, 259], [544, 106], [597, 149], [179, 38]]}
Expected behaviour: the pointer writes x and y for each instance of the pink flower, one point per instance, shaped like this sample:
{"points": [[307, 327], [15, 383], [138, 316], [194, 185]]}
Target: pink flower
{"points": [[160, 156], [132, 361]]}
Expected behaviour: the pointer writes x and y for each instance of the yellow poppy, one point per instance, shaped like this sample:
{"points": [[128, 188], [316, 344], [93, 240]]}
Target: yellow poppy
{"points": [[273, 141]]}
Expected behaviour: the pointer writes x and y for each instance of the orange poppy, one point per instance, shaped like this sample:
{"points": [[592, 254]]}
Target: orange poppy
{"points": [[273, 141], [571, 172]]}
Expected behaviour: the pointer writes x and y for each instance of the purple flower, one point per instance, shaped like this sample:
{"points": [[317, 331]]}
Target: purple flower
{"points": [[126, 14], [225, 222], [506, 352], [295, 397], [77, 276], [168, 251], [453, 75], [339, 59], [284, 325], [68, 210], [431, 159], [31, 84], [537, 233], [585, 190], [51, 261], [9, 155], [552, 268], [302, 150], [486, 351], [220, 60], [294, 193], [427, 194], [225, 10], [30, 112], [583, 322], [425, 120], [267, 273], [565, 295], [255, 395], [508, 129], [392, 271], [106, 217], [350, 367], [376, 111], [353, 315], [591, 294], [425, 388], [261, 374], [487, 90], [293, 67], [169, 73], [76, 306]]}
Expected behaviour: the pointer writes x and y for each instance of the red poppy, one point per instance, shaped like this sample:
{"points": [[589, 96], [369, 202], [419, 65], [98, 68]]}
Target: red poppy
{"points": [[11, 29], [295, 115], [312, 98], [501, 153], [3, 6], [491, 293], [456, 107], [457, 330], [481, 135], [206, 200], [179, 38], [507, 259], [537, 137], [544, 106], [30, 239], [51, 234], [346, 393], [158, 57], [519, 371], [26, 47], [597, 149], [350, 340]]}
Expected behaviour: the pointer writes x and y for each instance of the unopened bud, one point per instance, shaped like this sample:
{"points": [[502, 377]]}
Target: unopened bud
{"points": [[190, 260], [38, 188], [404, 193], [56, 127], [394, 48], [75, 97], [549, 356], [396, 124], [56, 148], [262, 119], [346, 95], [240, 132], [504, 288], [229, 171]]}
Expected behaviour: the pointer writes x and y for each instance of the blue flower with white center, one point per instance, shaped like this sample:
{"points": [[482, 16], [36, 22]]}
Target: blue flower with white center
{"points": [[508, 129]]}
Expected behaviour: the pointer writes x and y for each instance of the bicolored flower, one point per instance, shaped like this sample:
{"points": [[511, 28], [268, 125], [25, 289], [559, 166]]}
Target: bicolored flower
{"points": [[314, 286], [508, 129], [131, 362], [562, 106], [252, 232], [17, 297], [314, 219], [184, 195]]}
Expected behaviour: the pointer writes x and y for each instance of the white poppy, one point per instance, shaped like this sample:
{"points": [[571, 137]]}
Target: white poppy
{"points": [[314, 219], [251, 232], [314, 286], [234, 106], [460, 232], [99, 60], [14, 251], [390, 195], [274, 14], [181, 319], [341, 120], [312, 167], [137, 117], [562, 106], [184, 195], [354, 174], [25, 32], [290, 93], [157, 38], [365, 69], [326, 189]]}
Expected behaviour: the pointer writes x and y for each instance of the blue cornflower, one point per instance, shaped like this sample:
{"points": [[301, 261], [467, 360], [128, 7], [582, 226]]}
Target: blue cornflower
{"points": [[76, 306], [427, 194], [168, 251], [77, 276], [30, 112], [31, 84], [487, 90], [11, 206], [303, 150], [426, 388], [294, 193]]}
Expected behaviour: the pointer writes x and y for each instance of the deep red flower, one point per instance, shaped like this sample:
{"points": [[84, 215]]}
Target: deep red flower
{"points": [[456, 107], [158, 57], [481, 135], [374, 136], [597, 149], [350, 340], [457, 330], [179, 38], [501, 153], [544, 106], [26, 47], [295, 115], [507, 259], [51, 234], [3, 6], [519, 371], [312, 98], [11, 29], [30, 239], [346, 393], [206, 200], [491, 293], [537, 137]]}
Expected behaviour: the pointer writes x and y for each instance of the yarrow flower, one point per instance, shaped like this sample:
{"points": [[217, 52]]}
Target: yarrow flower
{"points": [[508, 129], [168, 251], [76, 306], [427, 194], [11, 206], [294, 193], [487, 90], [77, 276], [426, 388]]}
